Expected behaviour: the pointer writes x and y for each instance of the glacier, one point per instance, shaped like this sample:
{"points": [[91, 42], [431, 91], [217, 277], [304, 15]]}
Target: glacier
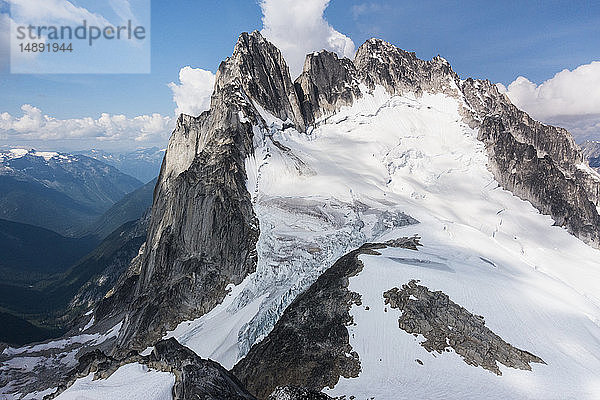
{"points": [[391, 166]]}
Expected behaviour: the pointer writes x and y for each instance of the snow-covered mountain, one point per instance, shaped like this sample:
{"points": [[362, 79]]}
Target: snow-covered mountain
{"points": [[379, 228], [58, 191], [143, 164]]}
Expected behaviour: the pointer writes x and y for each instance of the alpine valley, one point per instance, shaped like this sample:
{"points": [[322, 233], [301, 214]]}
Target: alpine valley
{"points": [[378, 228]]}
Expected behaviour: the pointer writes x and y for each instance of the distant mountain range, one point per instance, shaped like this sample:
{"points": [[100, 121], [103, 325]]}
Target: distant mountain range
{"points": [[61, 192], [130, 208], [69, 225], [143, 164]]}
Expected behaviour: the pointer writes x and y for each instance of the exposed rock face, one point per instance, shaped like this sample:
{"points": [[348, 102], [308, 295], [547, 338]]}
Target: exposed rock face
{"points": [[296, 393], [309, 346], [258, 67], [551, 189], [326, 84], [195, 378], [380, 63], [203, 229], [445, 325], [537, 162], [199, 378], [591, 151]]}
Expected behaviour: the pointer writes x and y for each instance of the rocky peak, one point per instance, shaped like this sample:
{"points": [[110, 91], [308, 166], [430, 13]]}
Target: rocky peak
{"points": [[260, 70], [326, 84], [203, 229], [399, 71], [485, 100], [536, 162]]}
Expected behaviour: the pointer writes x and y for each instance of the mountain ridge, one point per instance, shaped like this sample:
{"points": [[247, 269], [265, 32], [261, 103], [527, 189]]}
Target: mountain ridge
{"points": [[58, 191], [262, 194], [379, 63]]}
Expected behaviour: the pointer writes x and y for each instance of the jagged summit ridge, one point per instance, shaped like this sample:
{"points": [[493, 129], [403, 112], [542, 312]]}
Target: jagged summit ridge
{"points": [[251, 208], [205, 159], [399, 71], [260, 70], [326, 84]]}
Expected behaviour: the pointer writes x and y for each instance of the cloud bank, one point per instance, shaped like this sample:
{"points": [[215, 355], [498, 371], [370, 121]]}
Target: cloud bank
{"points": [[570, 99], [298, 28], [33, 125], [192, 94]]}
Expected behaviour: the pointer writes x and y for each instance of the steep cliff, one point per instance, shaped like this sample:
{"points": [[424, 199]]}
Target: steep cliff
{"points": [[557, 181], [326, 84], [203, 229]]}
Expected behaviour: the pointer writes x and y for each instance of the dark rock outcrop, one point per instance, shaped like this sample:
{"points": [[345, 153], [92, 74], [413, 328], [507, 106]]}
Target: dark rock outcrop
{"points": [[195, 377], [445, 325], [258, 67], [519, 168], [398, 71], [536, 162], [309, 346], [297, 393], [326, 84]]}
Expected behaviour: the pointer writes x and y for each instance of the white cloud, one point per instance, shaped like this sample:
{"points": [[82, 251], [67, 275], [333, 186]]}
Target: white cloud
{"points": [[123, 9], [570, 99], [33, 125], [5, 23], [48, 12], [359, 10], [192, 94], [298, 28]]}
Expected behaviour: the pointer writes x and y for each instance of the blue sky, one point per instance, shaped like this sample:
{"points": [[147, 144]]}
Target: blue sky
{"points": [[499, 41]]}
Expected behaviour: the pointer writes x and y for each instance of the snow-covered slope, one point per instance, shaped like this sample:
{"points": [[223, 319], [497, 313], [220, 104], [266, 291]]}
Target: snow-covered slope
{"points": [[404, 153], [132, 381], [535, 284]]}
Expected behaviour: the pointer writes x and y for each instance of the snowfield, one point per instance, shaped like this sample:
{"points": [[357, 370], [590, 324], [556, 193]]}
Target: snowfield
{"points": [[131, 381], [348, 181]]}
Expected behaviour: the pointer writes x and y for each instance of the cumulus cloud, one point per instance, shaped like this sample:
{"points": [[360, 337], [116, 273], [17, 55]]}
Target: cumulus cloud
{"points": [[192, 94], [33, 125], [298, 28], [570, 99]]}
